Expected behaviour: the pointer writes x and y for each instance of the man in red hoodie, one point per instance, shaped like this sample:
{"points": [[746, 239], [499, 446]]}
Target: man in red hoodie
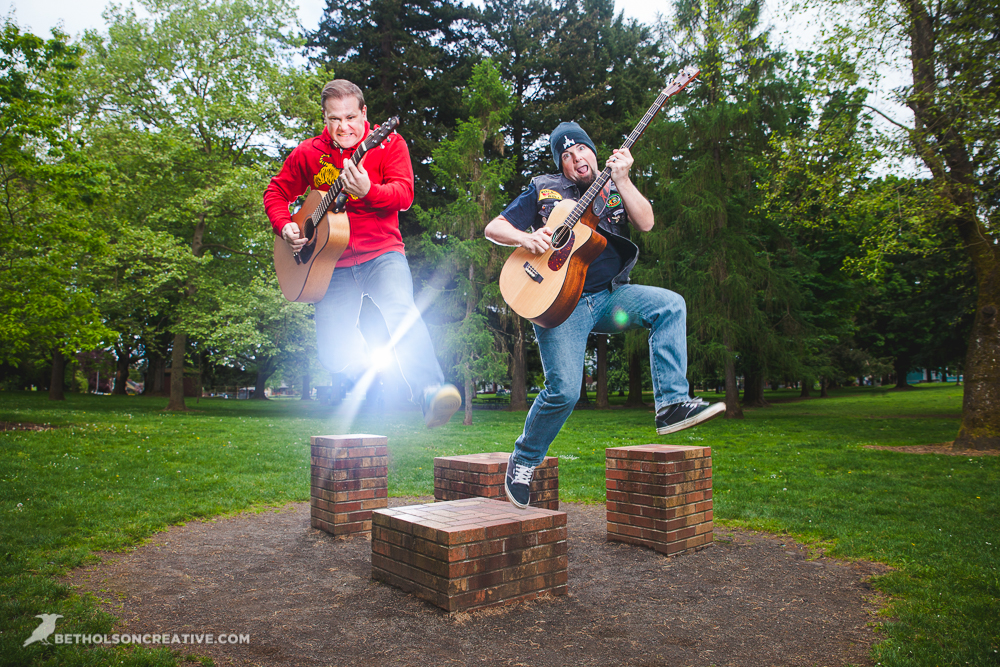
{"points": [[373, 264]]}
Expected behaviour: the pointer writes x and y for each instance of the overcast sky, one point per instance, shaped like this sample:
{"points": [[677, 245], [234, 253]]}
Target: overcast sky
{"points": [[78, 15], [798, 32]]}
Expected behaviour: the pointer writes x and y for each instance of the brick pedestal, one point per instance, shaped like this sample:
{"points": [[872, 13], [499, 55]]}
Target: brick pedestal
{"points": [[471, 553], [660, 496], [482, 476], [348, 481]]}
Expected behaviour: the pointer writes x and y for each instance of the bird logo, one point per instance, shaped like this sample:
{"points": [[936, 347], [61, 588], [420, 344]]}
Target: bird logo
{"points": [[42, 632]]}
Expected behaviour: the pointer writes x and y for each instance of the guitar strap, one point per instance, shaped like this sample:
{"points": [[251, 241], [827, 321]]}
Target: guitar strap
{"points": [[605, 193]]}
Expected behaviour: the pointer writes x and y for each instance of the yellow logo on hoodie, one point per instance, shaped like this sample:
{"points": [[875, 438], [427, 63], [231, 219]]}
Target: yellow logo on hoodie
{"points": [[328, 174]]}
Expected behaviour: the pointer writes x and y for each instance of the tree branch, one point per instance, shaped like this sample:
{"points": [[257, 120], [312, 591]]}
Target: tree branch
{"points": [[897, 124], [235, 252]]}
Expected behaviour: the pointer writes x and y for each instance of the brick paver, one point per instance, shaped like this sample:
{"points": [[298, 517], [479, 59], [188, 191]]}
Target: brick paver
{"points": [[660, 496], [348, 481], [470, 553], [482, 476]]}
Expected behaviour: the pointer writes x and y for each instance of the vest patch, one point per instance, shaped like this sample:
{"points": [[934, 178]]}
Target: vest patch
{"points": [[614, 200], [548, 194]]}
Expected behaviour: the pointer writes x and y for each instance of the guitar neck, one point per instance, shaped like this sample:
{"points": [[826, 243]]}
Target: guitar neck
{"points": [[588, 197], [602, 180], [338, 186]]}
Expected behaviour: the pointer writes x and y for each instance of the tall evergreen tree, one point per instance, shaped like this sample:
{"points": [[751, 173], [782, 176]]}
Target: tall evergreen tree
{"points": [[519, 35], [605, 68], [411, 58], [472, 167], [717, 251]]}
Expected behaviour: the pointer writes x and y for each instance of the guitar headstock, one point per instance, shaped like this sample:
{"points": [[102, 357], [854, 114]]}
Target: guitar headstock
{"points": [[384, 130], [686, 76]]}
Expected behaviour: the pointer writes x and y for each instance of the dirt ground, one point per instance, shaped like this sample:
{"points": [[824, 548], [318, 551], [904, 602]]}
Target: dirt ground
{"points": [[945, 448], [306, 598]]}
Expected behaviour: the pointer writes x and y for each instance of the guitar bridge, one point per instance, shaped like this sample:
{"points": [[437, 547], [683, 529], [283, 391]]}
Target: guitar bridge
{"points": [[533, 273]]}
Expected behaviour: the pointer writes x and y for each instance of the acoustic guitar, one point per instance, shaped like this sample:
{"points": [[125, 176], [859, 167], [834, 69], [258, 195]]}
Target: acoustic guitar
{"points": [[305, 275], [545, 288]]}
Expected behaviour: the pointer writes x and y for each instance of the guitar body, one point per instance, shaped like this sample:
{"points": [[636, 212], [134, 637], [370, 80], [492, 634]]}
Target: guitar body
{"points": [[307, 279], [545, 288]]}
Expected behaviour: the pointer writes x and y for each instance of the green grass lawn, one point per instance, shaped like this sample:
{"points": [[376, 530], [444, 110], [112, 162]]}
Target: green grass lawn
{"points": [[117, 469]]}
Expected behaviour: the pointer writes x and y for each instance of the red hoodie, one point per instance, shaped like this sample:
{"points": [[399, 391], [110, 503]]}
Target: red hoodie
{"points": [[317, 162]]}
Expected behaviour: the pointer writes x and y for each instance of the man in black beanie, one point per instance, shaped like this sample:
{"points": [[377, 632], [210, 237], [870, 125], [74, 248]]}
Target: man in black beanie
{"points": [[609, 304]]}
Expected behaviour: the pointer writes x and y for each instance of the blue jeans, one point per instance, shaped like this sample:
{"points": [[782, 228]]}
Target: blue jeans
{"points": [[563, 347], [341, 347]]}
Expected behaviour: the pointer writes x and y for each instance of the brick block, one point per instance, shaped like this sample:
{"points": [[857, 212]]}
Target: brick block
{"points": [[470, 553], [482, 476], [660, 496], [348, 480]]}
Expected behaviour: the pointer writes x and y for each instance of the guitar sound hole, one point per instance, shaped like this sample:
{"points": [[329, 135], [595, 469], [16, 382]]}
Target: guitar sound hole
{"points": [[561, 236], [310, 228]]}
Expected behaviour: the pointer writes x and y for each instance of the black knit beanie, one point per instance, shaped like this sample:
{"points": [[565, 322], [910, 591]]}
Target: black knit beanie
{"points": [[565, 135]]}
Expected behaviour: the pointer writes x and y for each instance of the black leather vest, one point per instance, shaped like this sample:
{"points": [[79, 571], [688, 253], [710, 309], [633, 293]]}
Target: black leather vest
{"points": [[614, 224]]}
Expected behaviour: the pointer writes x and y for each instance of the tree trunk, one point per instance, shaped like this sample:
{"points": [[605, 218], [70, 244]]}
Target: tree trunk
{"points": [[602, 372], [753, 391], [634, 399], [981, 398], [176, 401], [154, 383], [822, 387], [901, 366], [519, 369], [57, 389], [306, 389], [980, 427], [470, 308], [733, 408], [937, 139], [469, 390], [806, 387], [584, 400], [121, 371], [264, 373]]}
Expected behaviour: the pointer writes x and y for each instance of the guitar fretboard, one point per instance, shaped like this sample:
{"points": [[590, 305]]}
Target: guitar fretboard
{"points": [[338, 185], [683, 79]]}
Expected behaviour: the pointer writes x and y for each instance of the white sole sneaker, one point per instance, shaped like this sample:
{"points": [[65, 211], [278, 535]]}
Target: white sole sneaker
{"points": [[711, 412], [445, 403]]}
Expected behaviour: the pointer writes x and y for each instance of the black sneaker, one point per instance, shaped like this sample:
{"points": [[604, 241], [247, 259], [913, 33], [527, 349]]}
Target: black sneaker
{"points": [[440, 403], [680, 416], [517, 483]]}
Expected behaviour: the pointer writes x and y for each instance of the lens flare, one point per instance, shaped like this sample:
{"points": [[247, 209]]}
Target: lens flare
{"points": [[383, 357], [621, 318]]}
